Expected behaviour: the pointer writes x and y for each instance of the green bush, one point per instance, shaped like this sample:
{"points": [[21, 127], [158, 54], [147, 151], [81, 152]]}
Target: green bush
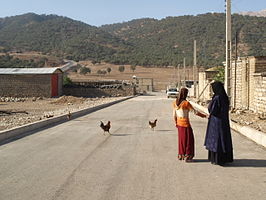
{"points": [[101, 72], [108, 70], [220, 75], [85, 70], [121, 68], [67, 81]]}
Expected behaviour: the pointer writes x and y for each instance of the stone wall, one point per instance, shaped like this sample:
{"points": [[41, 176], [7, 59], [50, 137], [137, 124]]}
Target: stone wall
{"points": [[260, 93], [144, 84], [25, 85], [240, 92], [248, 84], [97, 92]]}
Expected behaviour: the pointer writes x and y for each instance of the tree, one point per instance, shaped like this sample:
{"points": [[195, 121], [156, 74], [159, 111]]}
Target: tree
{"points": [[220, 75], [7, 61], [85, 70], [101, 72], [133, 67], [104, 72], [67, 81], [121, 68], [74, 70], [147, 43], [108, 70]]}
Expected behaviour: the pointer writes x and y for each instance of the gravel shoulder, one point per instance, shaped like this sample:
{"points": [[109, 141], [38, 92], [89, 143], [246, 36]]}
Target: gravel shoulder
{"points": [[244, 117], [15, 112], [249, 118]]}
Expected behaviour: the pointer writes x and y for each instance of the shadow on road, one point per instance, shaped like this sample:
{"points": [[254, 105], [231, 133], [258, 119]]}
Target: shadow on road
{"points": [[247, 163], [120, 134], [200, 160], [239, 162], [147, 94]]}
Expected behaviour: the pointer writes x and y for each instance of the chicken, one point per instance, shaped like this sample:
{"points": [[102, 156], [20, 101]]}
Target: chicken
{"points": [[69, 115], [152, 124], [49, 115], [106, 127]]}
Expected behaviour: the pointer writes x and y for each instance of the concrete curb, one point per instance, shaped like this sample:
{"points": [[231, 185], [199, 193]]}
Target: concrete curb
{"points": [[254, 135], [21, 131]]}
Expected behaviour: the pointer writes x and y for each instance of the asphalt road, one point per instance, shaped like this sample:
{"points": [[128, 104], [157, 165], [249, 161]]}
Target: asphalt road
{"points": [[68, 66], [75, 161]]}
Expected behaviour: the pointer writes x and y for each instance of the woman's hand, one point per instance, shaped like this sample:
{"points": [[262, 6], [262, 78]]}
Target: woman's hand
{"points": [[200, 114]]}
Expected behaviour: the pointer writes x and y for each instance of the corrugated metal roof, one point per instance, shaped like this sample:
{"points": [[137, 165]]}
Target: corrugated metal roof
{"points": [[47, 70]]}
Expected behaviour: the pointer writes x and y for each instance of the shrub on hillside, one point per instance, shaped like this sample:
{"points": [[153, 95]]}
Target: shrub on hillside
{"points": [[84, 70]]}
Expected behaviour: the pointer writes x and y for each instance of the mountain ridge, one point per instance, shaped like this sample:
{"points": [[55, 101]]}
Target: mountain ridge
{"points": [[145, 41]]}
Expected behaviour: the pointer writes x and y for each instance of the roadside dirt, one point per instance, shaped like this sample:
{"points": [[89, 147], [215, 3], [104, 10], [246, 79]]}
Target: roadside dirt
{"points": [[27, 110], [249, 118]]}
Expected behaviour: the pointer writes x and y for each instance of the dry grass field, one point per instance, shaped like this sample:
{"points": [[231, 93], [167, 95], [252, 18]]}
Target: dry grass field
{"points": [[161, 76]]}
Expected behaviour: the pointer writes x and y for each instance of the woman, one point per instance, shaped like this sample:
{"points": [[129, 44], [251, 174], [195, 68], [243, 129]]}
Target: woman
{"points": [[181, 108], [218, 139]]}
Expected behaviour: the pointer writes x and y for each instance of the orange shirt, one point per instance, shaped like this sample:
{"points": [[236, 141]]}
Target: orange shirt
{"points": [[181, 113]]}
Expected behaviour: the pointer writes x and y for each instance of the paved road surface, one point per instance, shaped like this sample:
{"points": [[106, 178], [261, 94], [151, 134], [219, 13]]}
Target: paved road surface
{"points": [[68, 66], [75, 161]]}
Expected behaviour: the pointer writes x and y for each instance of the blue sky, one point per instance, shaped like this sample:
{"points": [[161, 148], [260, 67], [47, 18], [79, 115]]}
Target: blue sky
{"points": [[99, 12]]}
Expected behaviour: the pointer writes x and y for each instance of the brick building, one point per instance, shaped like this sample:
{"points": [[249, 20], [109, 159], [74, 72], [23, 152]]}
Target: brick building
{"points": [[31, 82], [249, 84]]}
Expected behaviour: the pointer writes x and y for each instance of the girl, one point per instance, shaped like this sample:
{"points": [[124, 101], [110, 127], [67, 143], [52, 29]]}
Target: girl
{"points": [[181, 108]]}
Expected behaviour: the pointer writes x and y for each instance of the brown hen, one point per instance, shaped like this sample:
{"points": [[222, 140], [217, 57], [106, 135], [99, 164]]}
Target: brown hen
{"points": [[105, 127]]}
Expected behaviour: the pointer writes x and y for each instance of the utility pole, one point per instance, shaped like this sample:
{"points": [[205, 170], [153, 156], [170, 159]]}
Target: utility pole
{"points": [[184, 67], [228, 50], [234, 105], [195, 67], [179, 76]]}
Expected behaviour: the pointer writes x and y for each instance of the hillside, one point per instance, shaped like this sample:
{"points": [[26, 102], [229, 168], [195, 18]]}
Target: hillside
{"points": [[52, 34], [146, 42], [167, 41]]}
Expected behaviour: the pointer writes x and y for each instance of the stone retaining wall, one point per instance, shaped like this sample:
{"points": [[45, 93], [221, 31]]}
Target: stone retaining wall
{"points": [[249, 89], [97, 92], [260, 93]]}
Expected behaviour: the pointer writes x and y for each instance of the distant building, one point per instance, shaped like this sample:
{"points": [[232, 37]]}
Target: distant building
{"points": [[144, 84], [204, 89], [31, 82]]}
